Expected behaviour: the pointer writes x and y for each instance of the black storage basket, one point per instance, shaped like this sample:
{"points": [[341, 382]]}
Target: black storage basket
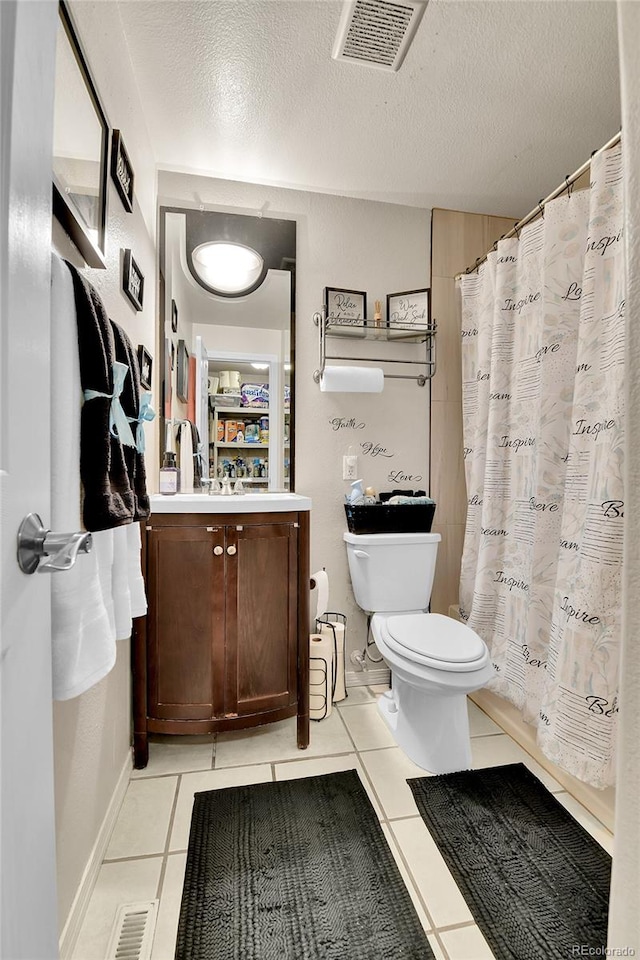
{"points": [[390, 517]]}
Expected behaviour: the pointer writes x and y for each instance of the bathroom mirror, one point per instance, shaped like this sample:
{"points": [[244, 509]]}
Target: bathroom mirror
{"points": [[80, 147], [227, 289]]}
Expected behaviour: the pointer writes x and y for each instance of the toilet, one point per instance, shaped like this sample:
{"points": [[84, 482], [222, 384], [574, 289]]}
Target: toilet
{"points": [[435, 661]]}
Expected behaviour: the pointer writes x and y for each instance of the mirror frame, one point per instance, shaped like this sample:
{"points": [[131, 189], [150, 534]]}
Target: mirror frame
{"points": [[290, 265], [63, 210]]}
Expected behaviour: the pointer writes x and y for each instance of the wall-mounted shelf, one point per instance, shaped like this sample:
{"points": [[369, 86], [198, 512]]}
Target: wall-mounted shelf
{"points": [[366, 330]]}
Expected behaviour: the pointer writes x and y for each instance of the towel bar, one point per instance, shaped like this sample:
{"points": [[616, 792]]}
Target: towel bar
{"points": [[402, 334]]}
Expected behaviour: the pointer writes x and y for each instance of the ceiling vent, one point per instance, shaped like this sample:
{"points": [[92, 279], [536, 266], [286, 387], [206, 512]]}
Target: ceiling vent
{"points": [[377, 33]]}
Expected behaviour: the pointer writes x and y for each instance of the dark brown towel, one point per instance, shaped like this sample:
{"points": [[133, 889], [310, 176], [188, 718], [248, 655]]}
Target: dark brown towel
{"points": [[108, 499], [130, 399]]}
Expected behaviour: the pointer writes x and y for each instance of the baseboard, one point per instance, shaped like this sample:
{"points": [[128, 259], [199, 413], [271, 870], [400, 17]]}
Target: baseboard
{"points": [[74, 921], [363, 678]]}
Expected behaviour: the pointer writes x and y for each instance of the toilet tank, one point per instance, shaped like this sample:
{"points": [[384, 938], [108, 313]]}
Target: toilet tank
{"points": [[392, 571]]}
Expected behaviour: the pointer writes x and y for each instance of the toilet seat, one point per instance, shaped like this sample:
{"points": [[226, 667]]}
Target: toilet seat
{"points": [[436, 641]]}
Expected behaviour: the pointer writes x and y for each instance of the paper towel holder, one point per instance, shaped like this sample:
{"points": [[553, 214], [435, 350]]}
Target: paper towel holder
{"points": [[405, 334]]}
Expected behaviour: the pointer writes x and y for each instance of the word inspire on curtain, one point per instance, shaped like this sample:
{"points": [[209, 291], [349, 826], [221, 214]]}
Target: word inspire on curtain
{"points": [[543, 359]]}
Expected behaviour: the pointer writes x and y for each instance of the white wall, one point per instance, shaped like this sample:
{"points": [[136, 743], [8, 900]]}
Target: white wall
{"points": [[92, 732], [358, 245], [624, 920]]}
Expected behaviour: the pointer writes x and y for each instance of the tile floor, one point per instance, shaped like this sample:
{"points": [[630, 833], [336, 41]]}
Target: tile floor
{"points": [[147, 852]]}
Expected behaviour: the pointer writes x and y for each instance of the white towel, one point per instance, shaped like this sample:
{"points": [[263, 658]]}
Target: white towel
{"points": [[83, 639], [186, 457], [136, 581]]}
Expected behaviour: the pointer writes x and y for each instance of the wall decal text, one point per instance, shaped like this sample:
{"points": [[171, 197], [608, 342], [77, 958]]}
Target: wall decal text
{"points": [[369, 448], [347, 423]]}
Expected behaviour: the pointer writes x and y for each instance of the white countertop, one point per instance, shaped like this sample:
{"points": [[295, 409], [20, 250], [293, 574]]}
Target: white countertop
{"points": [[236, 503]]}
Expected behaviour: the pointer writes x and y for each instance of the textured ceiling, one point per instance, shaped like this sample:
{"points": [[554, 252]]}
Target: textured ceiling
{"points": [[495, 103]]}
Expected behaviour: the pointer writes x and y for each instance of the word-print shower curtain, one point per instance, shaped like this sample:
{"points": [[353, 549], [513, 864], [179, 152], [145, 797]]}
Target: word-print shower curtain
{"points": [[542, 359]]}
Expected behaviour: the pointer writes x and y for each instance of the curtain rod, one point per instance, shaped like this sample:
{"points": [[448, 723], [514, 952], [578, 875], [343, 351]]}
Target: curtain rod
{"points": [[539, 208]]}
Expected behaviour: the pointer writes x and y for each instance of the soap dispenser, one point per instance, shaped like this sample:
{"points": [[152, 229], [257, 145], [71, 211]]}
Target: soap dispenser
{"points": [[169, 474]]}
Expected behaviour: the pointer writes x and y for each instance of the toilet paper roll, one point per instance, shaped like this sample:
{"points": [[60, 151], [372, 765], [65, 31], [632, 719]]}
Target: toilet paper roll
{"points": [[320, 676], [352, 380], [322, 592], [335, 633]]}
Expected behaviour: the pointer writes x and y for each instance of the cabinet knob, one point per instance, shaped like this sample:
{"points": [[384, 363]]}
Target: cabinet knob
{"points": [[218, 551], [232, 550]]}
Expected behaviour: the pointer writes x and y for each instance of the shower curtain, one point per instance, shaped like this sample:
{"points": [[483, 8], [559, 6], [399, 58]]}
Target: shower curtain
{"points": [[543, 358]]}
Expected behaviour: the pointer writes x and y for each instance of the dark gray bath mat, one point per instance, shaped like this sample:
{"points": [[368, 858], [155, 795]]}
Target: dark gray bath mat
{"points": [[295, 870], [536, 883]]}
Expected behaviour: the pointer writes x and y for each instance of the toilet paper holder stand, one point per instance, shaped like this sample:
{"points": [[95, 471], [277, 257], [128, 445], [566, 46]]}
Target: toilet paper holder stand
{"points": [[400, 335]]}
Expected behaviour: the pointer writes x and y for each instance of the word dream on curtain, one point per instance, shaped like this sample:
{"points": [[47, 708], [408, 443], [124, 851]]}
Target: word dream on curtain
{"points": [[543, 362]]}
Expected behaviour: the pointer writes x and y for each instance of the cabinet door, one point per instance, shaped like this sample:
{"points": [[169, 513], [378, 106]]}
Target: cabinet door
{"points": [[261, 617], [186, 615]]}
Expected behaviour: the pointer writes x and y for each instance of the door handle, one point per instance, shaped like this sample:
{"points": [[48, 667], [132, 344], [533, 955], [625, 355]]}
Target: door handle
{"points": [[361, 554], [232, 550], [61, 549], [218, 551]]}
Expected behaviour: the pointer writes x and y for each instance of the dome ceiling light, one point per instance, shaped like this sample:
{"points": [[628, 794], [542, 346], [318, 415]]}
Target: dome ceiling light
{"points": [[228, 268]]}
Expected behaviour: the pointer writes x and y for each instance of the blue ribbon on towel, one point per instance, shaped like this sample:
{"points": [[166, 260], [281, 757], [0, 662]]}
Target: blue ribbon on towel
{"points": [[118, 420], [146, 413]]}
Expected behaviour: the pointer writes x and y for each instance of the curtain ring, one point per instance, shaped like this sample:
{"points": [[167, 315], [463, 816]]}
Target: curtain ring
{"points": [[478, 259], [495, 246], [541, 208], [569, 186], [516, 231]]}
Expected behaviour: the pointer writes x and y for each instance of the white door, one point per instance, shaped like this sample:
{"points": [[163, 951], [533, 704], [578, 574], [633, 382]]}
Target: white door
{"points": [[28, 928], [202, 401]]}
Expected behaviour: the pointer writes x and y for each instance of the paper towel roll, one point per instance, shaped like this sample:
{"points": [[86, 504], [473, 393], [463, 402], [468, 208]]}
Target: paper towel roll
{"points": [[322, 592], [352, 380], [335, 632], [320, 676]]}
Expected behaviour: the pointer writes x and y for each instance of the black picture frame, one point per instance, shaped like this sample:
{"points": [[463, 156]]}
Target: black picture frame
{"points": [[122, 171], [346, 310], [174, 317], [132, 280], [182, 375], [82, 212], [145, 363], [409, 310], [173, 355]]}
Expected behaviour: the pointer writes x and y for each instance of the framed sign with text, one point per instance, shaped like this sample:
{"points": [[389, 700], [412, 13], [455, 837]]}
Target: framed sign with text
{"points": [[346, 309], [408, 310], [122, 171], [132, 280], [145, 363]]}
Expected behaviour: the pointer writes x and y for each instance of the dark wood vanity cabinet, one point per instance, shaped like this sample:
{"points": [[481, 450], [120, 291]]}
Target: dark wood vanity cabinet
{"points": [[224, 644]]}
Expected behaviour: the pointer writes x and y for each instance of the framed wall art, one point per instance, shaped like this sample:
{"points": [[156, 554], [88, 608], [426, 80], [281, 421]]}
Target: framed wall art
{"points": [[346, 310], [80, 147], [182, 375], [408, 310], [174, 317], [145, 362], [132, 280], [122, 171]]}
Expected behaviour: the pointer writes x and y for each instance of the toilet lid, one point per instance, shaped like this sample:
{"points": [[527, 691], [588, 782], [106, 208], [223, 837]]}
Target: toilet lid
{"points": [[436, 637]]}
